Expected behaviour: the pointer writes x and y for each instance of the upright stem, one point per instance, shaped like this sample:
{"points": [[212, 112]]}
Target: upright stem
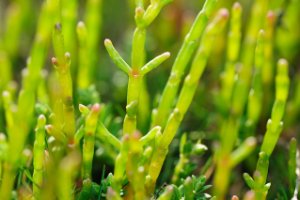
{"points": [[230, 126], [255, 100], [68, 20], [135, 80], [39, 158], [62, 63], [127, 158], [186, 95], [233, 49], [189, 46], [91, 121], [268, 69], [26, 99], [274, 128], [88, 43]]}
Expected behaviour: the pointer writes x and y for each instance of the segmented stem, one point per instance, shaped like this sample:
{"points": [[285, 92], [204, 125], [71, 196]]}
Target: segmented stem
{"points": [[186, 94], [39, 157], [185, 53], [61, 62]]}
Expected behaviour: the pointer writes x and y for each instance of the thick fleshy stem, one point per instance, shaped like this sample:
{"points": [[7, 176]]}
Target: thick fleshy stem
{"points": [[67, 172], [255, 98], [26, 99], [39, 157], [242, 85], [258, 183], [88, 33], [135, 73], [104, 135], [231, 126], [244, 150], [188, 47], [61, 62], [91, 121], [135, 173], [275, 125], [132, 97], [268, 68], [16, 17], [188, 188], [101, 133], [120, 166], [134, 83], [233, 49], [83, 77], [68, 20], [186, 95], [274, 128]]}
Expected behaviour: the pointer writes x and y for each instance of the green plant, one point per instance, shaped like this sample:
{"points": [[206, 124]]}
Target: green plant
{"points": [[61, 140], [274, 128]]}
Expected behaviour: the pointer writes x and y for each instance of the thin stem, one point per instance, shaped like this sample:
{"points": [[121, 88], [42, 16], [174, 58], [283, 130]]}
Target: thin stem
{"points": [[115, 56], [155, 62], [185, 53], [26, 99], [233, 49], [274, 128], [186, 94], [39, 157], [274, 125], [62, 63], [91, 121]]}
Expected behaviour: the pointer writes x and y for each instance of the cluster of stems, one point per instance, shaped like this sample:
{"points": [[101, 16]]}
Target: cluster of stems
{"points": [[62, 63], [155, 155], [189, 46], [68, 149], [186, 94], [88, 34], [131, 147], [23, 116], [185, 152], [236, 85], [20, 117]]}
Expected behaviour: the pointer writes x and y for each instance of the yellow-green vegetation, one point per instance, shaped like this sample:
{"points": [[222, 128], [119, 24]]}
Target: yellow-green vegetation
{"points": [[87, 117]]}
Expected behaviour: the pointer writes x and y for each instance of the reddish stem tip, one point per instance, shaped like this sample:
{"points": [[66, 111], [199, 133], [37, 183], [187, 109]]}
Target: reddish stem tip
{"points": [[96, 107], [54, 61], [139, 11], [234, 197], [224, 13], [271, 17]]}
